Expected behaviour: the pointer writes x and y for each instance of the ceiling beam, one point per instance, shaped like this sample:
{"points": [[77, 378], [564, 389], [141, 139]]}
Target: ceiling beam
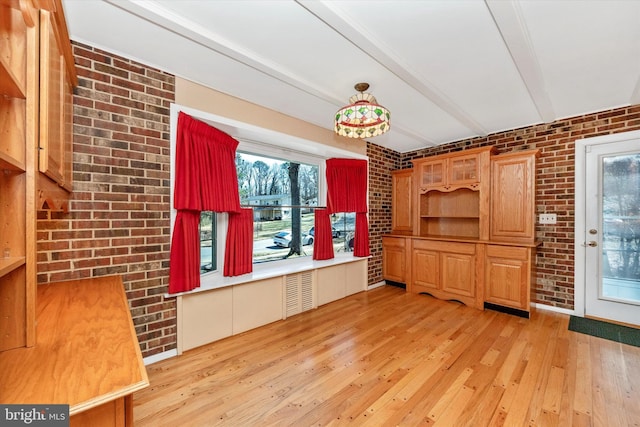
{"points": [[167, 19], [510, 22], [330, 13], [156, 14]]}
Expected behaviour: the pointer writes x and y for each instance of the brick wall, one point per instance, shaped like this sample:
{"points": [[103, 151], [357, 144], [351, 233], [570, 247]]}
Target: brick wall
{"points": [[554, 187], [118, 220], [381, 162]]}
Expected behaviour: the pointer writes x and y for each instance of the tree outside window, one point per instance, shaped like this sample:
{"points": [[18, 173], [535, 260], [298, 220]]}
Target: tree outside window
{"points": [[283, 195]]}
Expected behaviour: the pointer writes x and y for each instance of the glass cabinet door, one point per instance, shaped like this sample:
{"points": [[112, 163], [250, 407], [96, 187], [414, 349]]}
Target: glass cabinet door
{"points": [[433, 173], [464, 170]]}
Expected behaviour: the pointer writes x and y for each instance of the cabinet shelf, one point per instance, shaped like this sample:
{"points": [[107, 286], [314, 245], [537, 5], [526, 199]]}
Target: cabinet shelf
{"points": [[10, 163], [458, 203], [14, 4], [450, 226], [12, 129], [9, 84], [7, 265], [12, 46]]}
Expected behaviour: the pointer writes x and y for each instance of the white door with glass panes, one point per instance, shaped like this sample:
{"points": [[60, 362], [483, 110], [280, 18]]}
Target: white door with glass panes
{"points": [[608, 227]]}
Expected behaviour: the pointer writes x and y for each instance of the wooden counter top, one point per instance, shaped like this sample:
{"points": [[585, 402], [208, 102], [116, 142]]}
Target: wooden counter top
{"points": [[86, 353], [458, 239]]}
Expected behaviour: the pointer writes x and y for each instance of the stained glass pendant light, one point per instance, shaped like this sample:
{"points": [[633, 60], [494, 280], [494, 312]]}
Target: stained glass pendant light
{"points": [[363, 117]]}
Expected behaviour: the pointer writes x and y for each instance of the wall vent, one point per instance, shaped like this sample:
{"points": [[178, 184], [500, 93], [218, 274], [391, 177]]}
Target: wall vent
{"points": [[300, 293]]}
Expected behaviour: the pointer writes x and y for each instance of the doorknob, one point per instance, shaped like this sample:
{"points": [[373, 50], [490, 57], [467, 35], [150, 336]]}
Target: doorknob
{"points": [[592, 243]]}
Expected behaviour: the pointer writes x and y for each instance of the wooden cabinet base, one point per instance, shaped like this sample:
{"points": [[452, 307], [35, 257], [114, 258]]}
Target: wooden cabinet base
{"points": [[479, 274], [446, 270], [394, 259], [509, 271]]}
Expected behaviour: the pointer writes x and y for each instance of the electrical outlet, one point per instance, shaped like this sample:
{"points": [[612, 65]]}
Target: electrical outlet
{"points": [[547, 218]]}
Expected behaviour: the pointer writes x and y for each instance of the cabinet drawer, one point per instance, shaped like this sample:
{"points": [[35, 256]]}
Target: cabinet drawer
{"points": [[511, 252], [440, 246], [395, 242]]}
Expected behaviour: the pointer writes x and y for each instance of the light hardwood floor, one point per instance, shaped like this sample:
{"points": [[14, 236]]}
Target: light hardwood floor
{"points": [[386, 357]]}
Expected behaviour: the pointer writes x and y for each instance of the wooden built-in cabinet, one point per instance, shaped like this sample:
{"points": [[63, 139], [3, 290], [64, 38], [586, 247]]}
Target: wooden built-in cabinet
{"points": [[18, 133], [85, 352], [451, 194], [445, 270], [401, 201], [36, 78], [57, 79], [508, 278], [473, 235], [394, 258], [513, 197], [464, 168]]}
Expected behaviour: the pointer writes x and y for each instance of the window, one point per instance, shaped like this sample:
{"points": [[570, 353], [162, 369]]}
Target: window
{"points": [[265, 185], [271, 216], [343, 228], [283, 194], [208, 232]]}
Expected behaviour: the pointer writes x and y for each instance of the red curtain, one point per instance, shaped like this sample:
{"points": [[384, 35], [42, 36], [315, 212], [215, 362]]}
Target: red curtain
{"points": [[206, 180], [361, 244], [206, 177], [323, 238], [238, 256], [185, 247], [347, 192], [347, 185]]}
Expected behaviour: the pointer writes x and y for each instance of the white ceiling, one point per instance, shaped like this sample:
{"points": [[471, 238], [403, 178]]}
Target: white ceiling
{"points": [[446, 69]]}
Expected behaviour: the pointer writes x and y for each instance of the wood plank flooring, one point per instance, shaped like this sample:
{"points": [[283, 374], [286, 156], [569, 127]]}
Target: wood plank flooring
{"points": [[386, 357]]}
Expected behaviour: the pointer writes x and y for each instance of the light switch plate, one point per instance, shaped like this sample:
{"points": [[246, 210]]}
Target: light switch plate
{"points": [[547, 218]]}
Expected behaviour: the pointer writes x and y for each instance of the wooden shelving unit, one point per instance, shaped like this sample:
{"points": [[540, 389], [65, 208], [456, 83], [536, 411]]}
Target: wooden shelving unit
{"points": [[473, 235], [18, 116], [80, 323], [454, 213], [36, 65], [451, 194]]}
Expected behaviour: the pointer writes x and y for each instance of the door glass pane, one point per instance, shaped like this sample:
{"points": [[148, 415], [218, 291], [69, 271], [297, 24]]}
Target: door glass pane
{"points": [[621, 228]]}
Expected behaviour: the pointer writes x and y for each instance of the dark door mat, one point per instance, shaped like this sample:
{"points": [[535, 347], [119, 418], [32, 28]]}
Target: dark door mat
{"points": [[609, 331]]}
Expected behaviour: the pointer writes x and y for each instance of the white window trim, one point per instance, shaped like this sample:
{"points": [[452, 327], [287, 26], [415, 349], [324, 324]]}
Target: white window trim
{"points": [[257, 140]]}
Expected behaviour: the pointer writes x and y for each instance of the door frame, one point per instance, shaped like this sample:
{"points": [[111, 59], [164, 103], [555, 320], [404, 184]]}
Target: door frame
{"points": [[581, 146]]}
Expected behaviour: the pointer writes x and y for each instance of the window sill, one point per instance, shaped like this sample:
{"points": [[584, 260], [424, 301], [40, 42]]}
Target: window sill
{"points": [[270, 270]]}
